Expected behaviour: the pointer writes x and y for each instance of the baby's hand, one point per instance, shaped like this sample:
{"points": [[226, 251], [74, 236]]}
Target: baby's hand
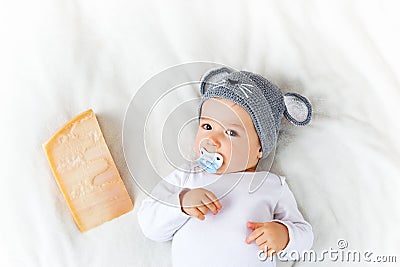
{"points": [[273, 235], [198, 201]]}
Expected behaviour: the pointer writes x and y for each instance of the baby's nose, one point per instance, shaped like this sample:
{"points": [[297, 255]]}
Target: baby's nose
{"points": [[209, 145]]}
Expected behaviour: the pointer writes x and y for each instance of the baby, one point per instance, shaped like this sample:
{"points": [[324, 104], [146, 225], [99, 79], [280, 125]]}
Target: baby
{"points": [[239, 120]]}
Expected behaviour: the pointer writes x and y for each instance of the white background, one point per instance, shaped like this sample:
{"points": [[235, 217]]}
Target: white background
{"points": [[60, 58]]}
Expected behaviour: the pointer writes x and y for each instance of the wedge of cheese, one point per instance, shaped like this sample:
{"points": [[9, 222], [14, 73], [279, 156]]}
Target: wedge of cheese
{"points": [[86, 173]]}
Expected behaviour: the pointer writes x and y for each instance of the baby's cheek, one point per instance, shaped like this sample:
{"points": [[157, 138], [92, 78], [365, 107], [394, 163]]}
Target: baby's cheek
{"points": [[228, 156], [240, 155]]}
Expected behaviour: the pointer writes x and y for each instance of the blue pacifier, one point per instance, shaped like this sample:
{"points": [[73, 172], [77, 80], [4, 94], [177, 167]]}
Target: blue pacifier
{"points": [[210, 162]]}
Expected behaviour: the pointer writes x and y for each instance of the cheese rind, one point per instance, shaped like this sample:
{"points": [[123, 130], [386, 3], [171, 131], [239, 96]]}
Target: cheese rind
{"points": [[86, 173]]}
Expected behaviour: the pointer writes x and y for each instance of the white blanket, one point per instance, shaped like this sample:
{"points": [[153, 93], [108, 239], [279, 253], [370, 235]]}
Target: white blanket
{"points": [[59, 58]]}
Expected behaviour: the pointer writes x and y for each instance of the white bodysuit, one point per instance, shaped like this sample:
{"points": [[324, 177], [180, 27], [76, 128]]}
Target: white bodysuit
{"points": [[219, 240]]}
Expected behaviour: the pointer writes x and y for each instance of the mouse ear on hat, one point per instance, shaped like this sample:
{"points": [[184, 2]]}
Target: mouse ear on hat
{"points": [[212, 77], [298, 109]]}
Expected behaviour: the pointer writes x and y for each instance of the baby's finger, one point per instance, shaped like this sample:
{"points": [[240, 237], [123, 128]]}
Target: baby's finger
{"points": [[254, 235], [196, 213], [214, 199], [211, 207], [261, 239], [203, 209], [271, 252], [268, 251], [254, 225], [264, 247]]}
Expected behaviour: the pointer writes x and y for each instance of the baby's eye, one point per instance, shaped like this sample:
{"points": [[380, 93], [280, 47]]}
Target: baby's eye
{"points": [[206, 126], [231, 133]]}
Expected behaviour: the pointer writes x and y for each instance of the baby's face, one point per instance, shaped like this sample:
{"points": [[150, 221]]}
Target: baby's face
{"points": [[227, 128]]}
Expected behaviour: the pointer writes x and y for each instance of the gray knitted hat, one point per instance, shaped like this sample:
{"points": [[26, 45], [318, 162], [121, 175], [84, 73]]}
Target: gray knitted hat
{"points": [[263, 100]]}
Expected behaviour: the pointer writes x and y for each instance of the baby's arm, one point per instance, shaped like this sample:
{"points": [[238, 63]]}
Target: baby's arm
{"points": [[287, 231], [159, 221], [300, 232]]}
